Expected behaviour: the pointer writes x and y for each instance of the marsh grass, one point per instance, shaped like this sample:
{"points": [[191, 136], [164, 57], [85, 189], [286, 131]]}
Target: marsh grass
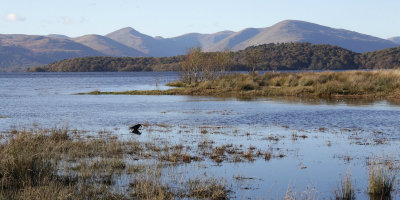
{"points": [[207, 189], [348, 84], [150, 185], [63, 164], [29, 168], [309, 194], [25, 161], [382, 176], [345, 191]]}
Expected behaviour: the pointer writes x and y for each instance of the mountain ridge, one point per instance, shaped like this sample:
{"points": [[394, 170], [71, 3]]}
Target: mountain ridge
{"points": [[130, 42], [107, 46]]}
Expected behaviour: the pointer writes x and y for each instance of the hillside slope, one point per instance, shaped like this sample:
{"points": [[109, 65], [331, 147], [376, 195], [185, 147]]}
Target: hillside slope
{"points": [[33, 50], [300, 31], [107, 46]]}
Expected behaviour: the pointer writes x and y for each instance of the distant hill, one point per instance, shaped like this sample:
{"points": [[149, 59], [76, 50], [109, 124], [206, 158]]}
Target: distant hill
{"points": [[159, 47], [22, 51], [132, 43], [107, 46], [284, 56], [15, 57], [395, 40], [58, 36], [184, 42], [300, 31], [141, 42]]}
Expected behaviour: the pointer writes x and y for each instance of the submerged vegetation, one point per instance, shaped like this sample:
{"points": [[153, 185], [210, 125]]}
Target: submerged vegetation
{"points": [[283, 56], [63, 164], [348, 84], [60, 163]]}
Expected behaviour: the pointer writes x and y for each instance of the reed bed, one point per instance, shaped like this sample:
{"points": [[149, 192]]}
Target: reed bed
{"points": [[63, 164], [346, 84], [67, 164]]}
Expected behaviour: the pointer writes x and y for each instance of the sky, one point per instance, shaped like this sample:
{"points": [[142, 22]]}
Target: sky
{"points": [[169, 18]]}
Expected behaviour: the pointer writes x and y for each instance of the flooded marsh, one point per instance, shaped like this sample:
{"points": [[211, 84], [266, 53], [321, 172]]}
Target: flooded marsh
{"points": [[193, 147]]}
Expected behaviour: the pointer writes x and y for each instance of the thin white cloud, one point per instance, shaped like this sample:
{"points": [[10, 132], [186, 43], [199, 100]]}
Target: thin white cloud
{"points": [[67, 20], [12, 17]]}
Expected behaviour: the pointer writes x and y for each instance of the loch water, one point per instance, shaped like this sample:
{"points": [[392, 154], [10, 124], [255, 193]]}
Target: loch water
{"points": [[341, 135]]}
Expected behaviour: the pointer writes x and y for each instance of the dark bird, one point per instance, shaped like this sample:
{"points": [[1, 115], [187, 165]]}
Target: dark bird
{"points": [[135, 129]]}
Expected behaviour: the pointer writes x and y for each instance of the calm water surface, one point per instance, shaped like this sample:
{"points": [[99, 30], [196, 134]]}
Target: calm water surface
{"points": [[335, 129]]}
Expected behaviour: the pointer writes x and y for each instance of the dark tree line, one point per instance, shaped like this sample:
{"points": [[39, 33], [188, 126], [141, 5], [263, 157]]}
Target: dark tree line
{"points": [[283, 56], [296, 56], [383, 59], [101, 63]]}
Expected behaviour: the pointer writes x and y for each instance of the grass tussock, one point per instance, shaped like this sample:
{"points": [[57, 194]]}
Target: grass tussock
{"points": [[207, 189], [382, 177], [348, 84], [345, 190]]}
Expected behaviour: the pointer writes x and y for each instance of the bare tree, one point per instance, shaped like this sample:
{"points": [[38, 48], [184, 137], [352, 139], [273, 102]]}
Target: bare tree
{"points": [[252, 58], [191, 66], [199, 66]]}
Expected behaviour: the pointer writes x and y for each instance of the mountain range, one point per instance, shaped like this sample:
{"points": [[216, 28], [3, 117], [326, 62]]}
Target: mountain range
{"points": [[22, 51]]}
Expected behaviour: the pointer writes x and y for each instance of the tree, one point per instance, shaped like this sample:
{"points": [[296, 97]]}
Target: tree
{"points": [[252, 58], [199, 66], [191, 66]]}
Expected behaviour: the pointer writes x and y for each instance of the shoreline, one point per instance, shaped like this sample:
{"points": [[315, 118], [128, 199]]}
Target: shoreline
{"points": [[372, 85]]}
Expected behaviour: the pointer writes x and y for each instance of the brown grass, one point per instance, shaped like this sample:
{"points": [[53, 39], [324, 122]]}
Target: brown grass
{"points": [[348, 84], [207, 189], [345, 191], [382, 177], [309, 194], [30, 163], [63, 164]]}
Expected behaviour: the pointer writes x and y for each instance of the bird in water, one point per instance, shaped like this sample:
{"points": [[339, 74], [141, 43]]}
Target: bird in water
{"points": [[135, 129]]}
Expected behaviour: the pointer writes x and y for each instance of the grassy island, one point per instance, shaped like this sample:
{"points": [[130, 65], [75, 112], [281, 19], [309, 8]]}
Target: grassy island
{"points": [[346, 84]]}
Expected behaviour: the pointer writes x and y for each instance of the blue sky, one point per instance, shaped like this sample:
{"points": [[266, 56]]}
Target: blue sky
{"points": [[170, 18]]}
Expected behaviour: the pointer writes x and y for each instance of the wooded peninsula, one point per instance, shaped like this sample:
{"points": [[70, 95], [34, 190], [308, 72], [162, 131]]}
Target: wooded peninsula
{"points": [[283, 56]]}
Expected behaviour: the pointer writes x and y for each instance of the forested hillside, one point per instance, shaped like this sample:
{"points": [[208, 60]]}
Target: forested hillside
{"points": [[296, 56], [102, 63], [382, 59], [284, 56]]}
